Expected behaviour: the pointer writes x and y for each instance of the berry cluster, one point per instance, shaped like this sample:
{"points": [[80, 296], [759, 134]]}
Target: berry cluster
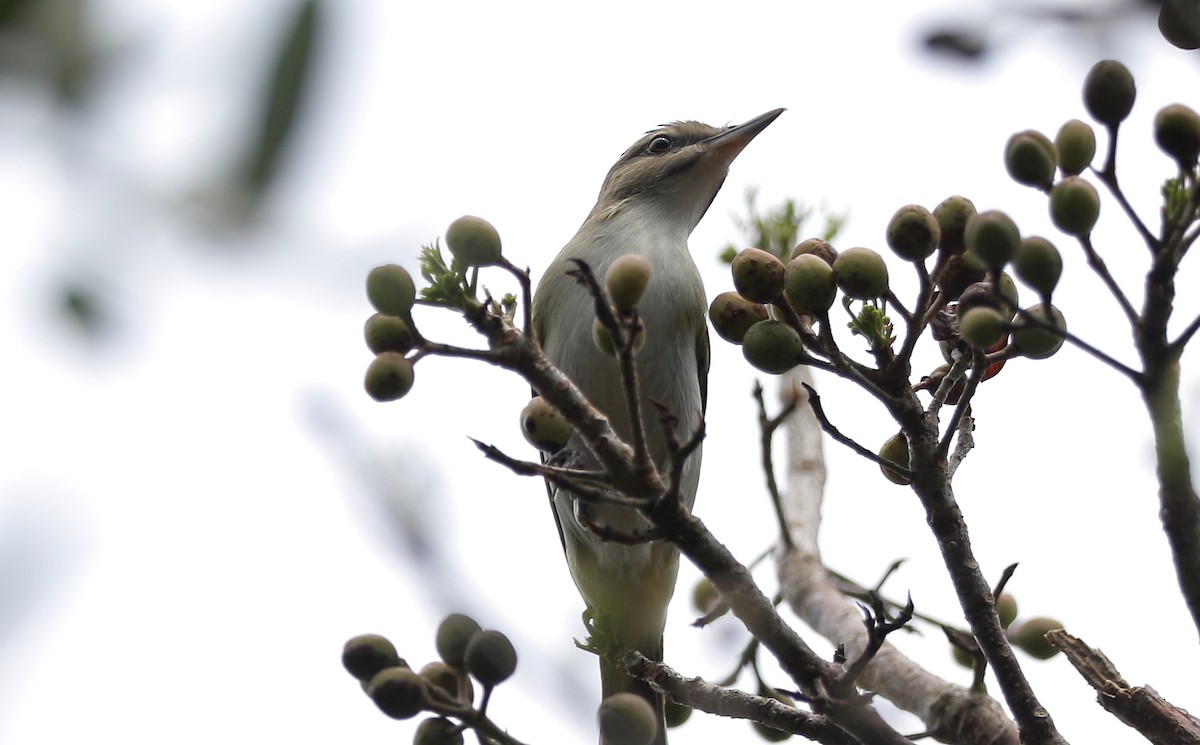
{"points": [[443, 687], [779, 313], [390, 333]]}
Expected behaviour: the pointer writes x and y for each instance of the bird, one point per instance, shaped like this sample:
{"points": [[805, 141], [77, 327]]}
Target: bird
{"points": [[650, 201]]}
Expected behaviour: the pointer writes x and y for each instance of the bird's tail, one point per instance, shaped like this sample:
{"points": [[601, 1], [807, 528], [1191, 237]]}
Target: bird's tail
{"points": [[614, 680]]}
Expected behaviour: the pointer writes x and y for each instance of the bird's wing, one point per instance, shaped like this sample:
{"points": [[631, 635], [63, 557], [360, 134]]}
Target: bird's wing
{"points": [[702, 363], [538, 315], [550, 500]]}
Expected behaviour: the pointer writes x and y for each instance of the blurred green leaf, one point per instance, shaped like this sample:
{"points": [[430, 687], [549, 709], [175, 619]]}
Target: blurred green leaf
{"points": [[285, 96], [778, 229]]}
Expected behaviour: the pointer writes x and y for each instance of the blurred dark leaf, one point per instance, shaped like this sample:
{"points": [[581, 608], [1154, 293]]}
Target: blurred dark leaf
{"points": [[82, 306], [963, 44], [50, 40], [1002, 24], [284, 98], [12, 12]]}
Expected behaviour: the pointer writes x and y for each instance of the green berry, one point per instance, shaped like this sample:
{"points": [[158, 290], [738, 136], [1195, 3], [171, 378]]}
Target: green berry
{"points": [[895, 450], [982, 327], [732, 316], [390, 290], [705, 596], [1030, 637], [913, 233], [1074, 206], [543, 426], [388, 334], [389, 377], [957, 274], [773, 347], [1076, 145], [1006, 608], [490, 658], [1038, 264], [365, 655], [808, 284], [602, 338], [453, 635], [758, 275], [398, 692], [1109, 92], [676, 714], [1177, 132], [1031, 158], [628, 719], [1008, 290], [962, 657], [977, 295], [626, 280], [1035, 342], [952, 215], [438, 731], [816, 247], [440, 675], [770, 734], [992, 239], [473, 241], [861, 273], [1179, 23]]}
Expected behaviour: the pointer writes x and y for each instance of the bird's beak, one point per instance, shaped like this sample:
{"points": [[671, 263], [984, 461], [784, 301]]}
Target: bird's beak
{"points": [[730, 142]]}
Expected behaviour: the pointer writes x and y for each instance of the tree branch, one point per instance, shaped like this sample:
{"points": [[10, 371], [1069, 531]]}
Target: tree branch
{"points": [[950, 712], [734, 704], [1140, 707]]}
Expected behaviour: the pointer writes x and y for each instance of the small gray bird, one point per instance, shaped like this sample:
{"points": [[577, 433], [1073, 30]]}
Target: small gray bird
{"points": [[649, 204]]}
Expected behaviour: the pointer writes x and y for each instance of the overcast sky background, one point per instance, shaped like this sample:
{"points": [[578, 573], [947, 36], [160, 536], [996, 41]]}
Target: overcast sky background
{"points": [[192, 506]]}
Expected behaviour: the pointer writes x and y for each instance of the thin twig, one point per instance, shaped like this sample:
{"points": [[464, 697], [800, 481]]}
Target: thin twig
{"points": [[623, 341], [878, 627], [1101, 269], [964, 403], [1108, 177], [611, 534], [916, 322], [1178, 345], [677, 454], [1005, 576], [766, 427], [814, 400], [895, 301], [736, 704], [560, 478], [747, 657], [523, 279], [1104, 357], [962, 446]]}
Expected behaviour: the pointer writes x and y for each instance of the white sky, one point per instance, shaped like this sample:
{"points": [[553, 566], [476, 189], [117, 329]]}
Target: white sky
{"points": [[189, 503]]}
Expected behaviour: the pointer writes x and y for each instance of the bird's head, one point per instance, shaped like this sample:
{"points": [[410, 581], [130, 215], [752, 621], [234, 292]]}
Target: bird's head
{"points": [[677, 169]]}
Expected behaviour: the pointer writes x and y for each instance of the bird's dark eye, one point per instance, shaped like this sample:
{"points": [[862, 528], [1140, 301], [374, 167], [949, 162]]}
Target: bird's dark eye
{"points": [[659, 145]]}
